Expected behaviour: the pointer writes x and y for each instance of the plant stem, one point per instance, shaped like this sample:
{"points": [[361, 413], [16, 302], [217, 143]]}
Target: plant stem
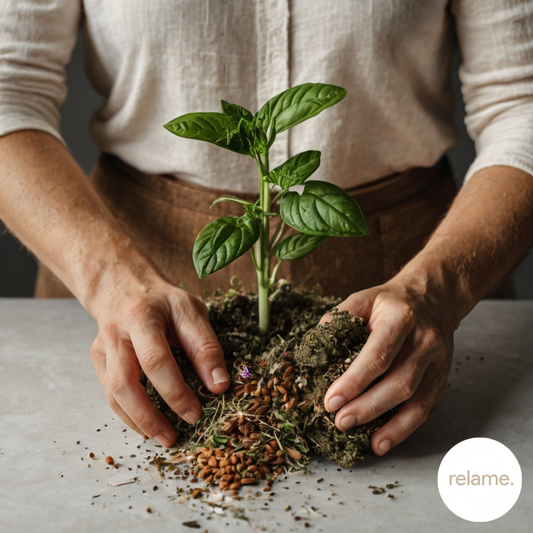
{"points": [[262, 247]]}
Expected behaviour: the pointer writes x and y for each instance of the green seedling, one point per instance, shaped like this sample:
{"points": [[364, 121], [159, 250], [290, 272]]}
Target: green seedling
{"points": [[321, 210]]}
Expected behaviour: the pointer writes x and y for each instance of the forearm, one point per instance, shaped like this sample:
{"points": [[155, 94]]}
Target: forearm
{"points": [[487, 230], [49, 204]]}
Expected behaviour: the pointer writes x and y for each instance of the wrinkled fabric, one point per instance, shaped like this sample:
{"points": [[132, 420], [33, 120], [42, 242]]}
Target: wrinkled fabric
{"points": [[153, 61]]}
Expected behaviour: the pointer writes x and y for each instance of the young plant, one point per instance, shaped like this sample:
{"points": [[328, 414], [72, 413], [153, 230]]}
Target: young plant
{"points": [[321, 210]]}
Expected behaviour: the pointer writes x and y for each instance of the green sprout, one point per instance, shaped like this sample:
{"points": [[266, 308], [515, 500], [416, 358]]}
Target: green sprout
{"points": [[321, 210]]}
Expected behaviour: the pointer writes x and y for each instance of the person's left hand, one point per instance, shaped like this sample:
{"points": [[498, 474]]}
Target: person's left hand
{"points": [[411, 342]]}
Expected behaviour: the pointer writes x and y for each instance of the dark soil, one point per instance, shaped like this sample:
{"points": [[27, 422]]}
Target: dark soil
{"points": [[274, 413]]}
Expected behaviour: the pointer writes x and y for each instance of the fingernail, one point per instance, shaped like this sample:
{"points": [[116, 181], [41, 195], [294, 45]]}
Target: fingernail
{"points": [[220, 375], [385, 446], [336, 403], [347, 422], [163, 440], [191, 417]]}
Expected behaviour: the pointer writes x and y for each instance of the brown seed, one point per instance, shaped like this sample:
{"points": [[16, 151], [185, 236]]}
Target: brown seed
{"points": [[274, 444], [294, 388], [294, 454], [275, 394], [281, 389], [109, 460], [249, 461], [288, 372], [235, 486], [264, 391], [269, 448], [91, 455], [241, 467], [240, 393], [223, 462], [219, 453], [270, 384], [209, 479], [263, 410], [202, 461], [228, 427], [278, 461], [224, 485], [286, 397], [213, 461], [252, 468], [220, 473], [267, 400], [227, 477], [233, 460], [208, 453], [267, 488], [248, 480], [290, 404], [276, 380], [202, 474], [196, 493], [271, 457], [280, 453]]}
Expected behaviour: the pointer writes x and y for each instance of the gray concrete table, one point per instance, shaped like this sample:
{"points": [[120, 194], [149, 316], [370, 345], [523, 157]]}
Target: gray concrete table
{"points": [[53, 412]]}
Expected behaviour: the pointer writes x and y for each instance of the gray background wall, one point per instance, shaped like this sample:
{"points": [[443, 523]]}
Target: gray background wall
{"points": [[17, 267]]}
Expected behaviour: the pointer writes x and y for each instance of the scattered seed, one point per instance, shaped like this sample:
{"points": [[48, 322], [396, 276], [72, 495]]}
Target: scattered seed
{"points": [[109, 460]]}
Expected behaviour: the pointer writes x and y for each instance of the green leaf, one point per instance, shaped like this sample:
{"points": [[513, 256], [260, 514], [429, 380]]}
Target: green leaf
{"points": [[323, 209], [222, 241], [297, 246], [297, 104], [295, 170], [235, 113], [214, 128]]}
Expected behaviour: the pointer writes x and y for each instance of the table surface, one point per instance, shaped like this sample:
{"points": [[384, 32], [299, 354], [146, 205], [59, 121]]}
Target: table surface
{"points": [[53, 412]]}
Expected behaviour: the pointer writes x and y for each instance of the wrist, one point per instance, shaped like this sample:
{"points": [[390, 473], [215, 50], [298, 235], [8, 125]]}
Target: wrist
{"points": [[431, 278]]}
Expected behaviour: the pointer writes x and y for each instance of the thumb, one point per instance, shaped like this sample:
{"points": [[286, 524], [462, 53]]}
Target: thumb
{"points": [[358, 304], [197, 338]]}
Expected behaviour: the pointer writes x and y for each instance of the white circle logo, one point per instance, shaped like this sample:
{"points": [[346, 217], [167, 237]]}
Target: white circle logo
{"points": [[479, 479]]}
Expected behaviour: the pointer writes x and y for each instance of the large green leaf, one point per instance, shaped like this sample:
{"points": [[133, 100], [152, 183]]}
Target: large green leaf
{"points": [[323, 209], [297, 246], [222, 241], [236, 112], [295, 170], [298, 104], [215, 128]]}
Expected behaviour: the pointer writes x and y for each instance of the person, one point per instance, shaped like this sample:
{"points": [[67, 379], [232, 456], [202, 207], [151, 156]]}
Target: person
{"points": [[118, 242]]}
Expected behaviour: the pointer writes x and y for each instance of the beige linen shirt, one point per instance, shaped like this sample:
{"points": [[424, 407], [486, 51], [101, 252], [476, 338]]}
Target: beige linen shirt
{"points": [[155, 60]]}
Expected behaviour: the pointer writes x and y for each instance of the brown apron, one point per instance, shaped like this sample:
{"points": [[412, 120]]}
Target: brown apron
{"points": [[163, 215]]}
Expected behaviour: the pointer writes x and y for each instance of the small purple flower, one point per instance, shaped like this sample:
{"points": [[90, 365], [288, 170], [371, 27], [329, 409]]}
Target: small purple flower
{"points": [[245, 373]]}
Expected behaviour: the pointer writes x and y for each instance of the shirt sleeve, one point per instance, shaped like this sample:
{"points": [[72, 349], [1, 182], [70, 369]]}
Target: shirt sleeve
{"points": [[36, 42], [496, 42]]}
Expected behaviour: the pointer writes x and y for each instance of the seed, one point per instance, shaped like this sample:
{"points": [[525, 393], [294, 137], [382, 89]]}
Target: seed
{"points": [[235, 486], [202, 473], [275, 394], [196, 493], [288, 372], [224, 485], [264, 392], [248, 481], [209, 479], [274, 444], [270, 384], [266, 399], [213, 461], [219, 453], [223, 462], [109, 460], [208, 453], [252, 468], [263, 410], [227, 477], [289, 405], [294, 388], [276, 380], [257, 475], [267, 488], [241, 467], [280, 453], [148, 509], [228, 427], [202, 462], [91, 455], [278, 461], [233, 460], [294, 454], [220, 473], [281, 389], [286, 397], [240, 393], [269, 448]]}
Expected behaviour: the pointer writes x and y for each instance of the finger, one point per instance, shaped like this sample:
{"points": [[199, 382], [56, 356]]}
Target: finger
{"points": [[389, 332], [200, 343], [411, 415], [123, 373], [398, 386], [99, 361], [155, 358], [358, 304]]}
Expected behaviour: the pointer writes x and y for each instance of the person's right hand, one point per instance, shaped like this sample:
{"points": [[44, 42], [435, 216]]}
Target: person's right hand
{"points": [[136, 326]]}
